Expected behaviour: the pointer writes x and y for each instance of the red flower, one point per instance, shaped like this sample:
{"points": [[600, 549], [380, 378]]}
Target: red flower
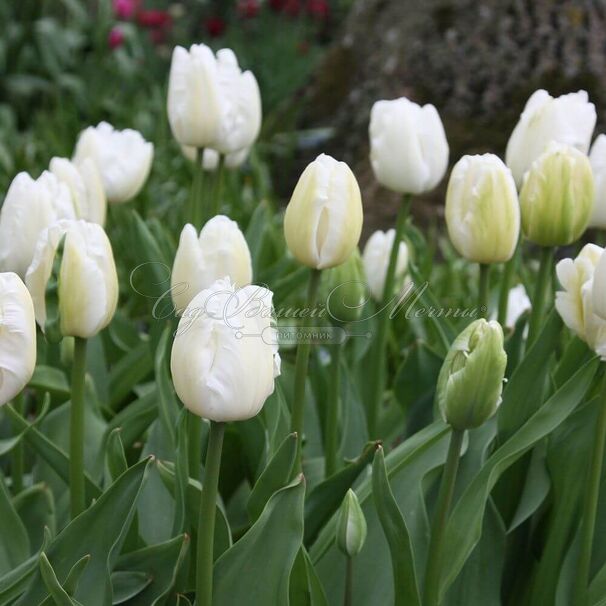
{"points": [[248, 8], [215, 26], [154, 18], [318, 9], [125, 9], [115, 38], [292, 7], [276, 5]]}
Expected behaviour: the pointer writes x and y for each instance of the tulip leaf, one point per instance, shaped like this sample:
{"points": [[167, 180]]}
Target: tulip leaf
{"points": [[72, 580], [276, 474], [104, 524], [52, 325], [159, 564], [51, 380], [127, 585], [256, 570], [276, 416], [14, 546], [305, 586], [127, 372], [36, 508], [167, 402], [326, 498], [135, 419], [59, 596], [465, 525], [114, 453], [406, 588]]}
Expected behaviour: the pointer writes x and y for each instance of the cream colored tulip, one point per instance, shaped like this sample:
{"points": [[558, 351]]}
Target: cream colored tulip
{"points": [[597, 158], [219, 251], [87, 281], [376, 260], [323, 219]]}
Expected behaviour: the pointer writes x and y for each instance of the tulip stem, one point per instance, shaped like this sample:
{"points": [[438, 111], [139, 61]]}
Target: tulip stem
{"points": [[196, 201], [447, 485], [206, 520], [484, 290], [194, 445], [218, 189], [506, 278], [303, 350], [540, 293], [590, 503], [17, 458], [348, 600], [76, 429], [331, 442], [377, 379]]}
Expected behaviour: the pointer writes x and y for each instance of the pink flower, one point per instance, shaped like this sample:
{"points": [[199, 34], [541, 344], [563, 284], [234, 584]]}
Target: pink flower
{"points": [[154, 18], [215, 26], [319, 9], [115, 38], [125, 9], [248, 8]]}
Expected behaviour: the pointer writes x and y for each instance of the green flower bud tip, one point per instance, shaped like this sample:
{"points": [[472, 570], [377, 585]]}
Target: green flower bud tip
{"points": [[471, 379], [351, 525]]}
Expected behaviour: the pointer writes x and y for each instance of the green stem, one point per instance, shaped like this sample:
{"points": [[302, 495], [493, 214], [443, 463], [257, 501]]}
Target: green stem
{"points": [[303, 350], [590, 504], [196, 200], [348, 601], [331, 443], [506, 278], [540, 293], [194, 445], [206, 521], [18, 450], [218, 189], [434, 558], [378, 374], [484, 290], [76, 429]]}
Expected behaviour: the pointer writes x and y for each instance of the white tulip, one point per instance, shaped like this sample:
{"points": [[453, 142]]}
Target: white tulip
{"points": [[29, 207], [569, 119], [323, 219], [376, 259], [597, 158], [123, 158], [17, 337], [408, 146], [87, 281], [517, 303], [210, 158], [211, 102], [599, 287], [482, 209], [85, 185], [220, 251], [575, 303], [225, 357]]}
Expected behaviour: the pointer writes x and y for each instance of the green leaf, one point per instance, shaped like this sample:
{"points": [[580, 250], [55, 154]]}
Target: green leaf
{"points": [[51, 380], [127, 372], [465, 524], [59, 595], [114, 453], [36, 507], [326, 498], [104, 525], [127, 585], [135, 419], [305, 586], [276, 475], [167, 402], [73, 578], [406, 586], [256, 570], [14, 546]]}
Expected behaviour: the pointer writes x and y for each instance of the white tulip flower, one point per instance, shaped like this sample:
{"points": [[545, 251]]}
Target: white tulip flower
{"points": [[210, 158], [597, 159], [376, 259]]}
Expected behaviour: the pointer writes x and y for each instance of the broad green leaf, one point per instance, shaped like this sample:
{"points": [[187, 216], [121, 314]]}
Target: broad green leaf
{"points": [[59, 595], [51, 380], [127, 372], [71, 582], [14, 546], [36, 508], [127, 585], [256, 570], [305, 587], [167, 402], [114, 453], [135, 419], [406, 586]]}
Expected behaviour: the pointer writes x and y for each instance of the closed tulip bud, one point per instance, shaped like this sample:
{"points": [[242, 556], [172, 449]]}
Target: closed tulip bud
{"points": [[471, 379], [408, 147], [569, 119], [351, 525], [211, 102], [219, 251], [323, 219], [583, 285], [597, 158], [73, 280], [29, 207], [210, 158], [225, 355], [345, 290], [17, 337], [122, 157], [557, 196], [85, 186], [376, 259], [482, 209]]}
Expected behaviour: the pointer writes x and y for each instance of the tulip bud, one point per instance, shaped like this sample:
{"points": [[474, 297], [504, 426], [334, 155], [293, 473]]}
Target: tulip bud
{"points": [[345, 290], [376, 259], [123, 159], [597, 158], [351, 525], [17, 337], [471, 379], [29, 207], [211, 102], [220, 251], [408, 147], [74, 260], [210, 158], [86, 188], [557, 196], [569, 119], [225, 355], [323, 219], [482, 209]]}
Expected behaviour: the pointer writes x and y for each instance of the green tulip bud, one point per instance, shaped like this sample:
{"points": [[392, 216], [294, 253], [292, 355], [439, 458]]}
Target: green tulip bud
{"points": [[345, 290], [471, 379], [351, 525], [557, 196]]}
